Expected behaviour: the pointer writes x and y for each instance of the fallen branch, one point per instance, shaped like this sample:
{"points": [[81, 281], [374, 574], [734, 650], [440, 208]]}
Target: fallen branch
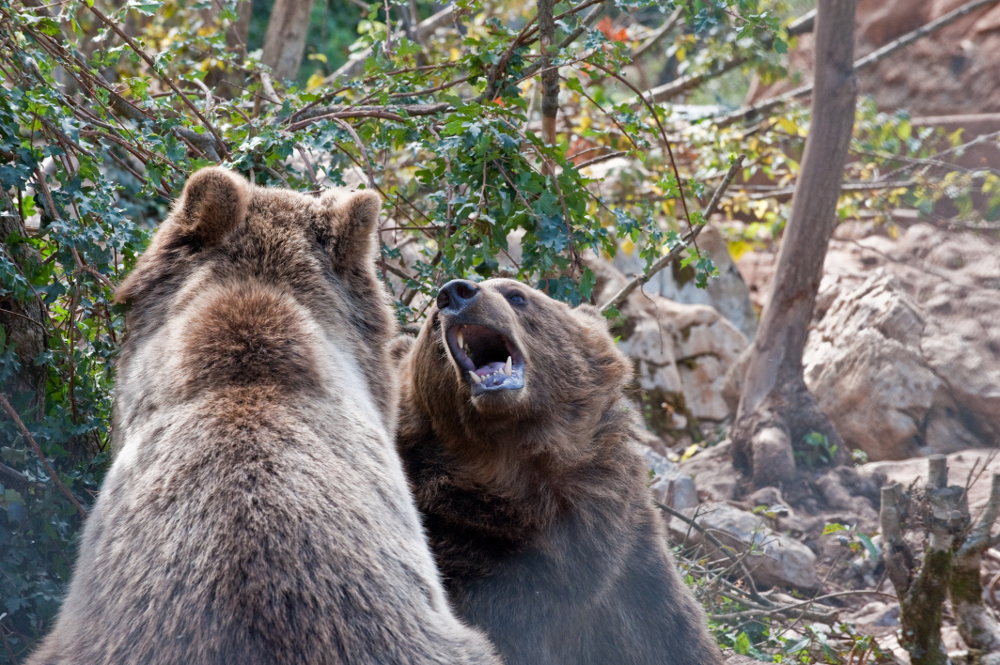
{"points": [[667, 258], [41, 456], [863, 63], [753, 593]]}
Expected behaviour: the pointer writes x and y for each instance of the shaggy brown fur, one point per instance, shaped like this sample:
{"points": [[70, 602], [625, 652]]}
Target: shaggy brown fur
{"points": [[536, 503], [256, 511]]}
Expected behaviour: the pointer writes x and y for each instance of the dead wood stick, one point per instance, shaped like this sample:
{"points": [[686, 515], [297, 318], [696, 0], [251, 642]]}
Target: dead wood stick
{"points": [[667, 258], [872, 58], [41, 456], [738, 561]]}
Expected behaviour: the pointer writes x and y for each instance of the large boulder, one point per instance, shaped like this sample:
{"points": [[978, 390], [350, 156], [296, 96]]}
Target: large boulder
{"points": [[904, 354]]}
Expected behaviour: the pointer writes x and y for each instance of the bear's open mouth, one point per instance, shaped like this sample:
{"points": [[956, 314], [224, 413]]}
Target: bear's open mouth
{"points": [[488, 360]]}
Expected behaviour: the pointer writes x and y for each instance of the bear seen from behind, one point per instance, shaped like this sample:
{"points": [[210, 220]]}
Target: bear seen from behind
{"points": [[256, 511], [517, 441]]}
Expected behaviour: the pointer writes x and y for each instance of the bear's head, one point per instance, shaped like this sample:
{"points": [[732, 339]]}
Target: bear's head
{"points": [[249, 275], [498, 358]]}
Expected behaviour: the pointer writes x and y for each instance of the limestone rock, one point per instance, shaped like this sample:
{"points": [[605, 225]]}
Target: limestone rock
{"points": [[777, 560], [905, 364], [670, 486], [681, 353], [713, 472], [905, 472]]}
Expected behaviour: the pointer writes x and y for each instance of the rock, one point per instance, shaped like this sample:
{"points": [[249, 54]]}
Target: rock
{"points": [[949, 71], [670, 485], [681, 353], [737, 659], [773, 461], [896, 379], [883, 615], [714, 475], [839, 497], [905, 472], [781, 561], [728, 294]]}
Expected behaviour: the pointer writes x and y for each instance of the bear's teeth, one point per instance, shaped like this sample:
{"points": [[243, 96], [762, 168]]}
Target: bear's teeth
{"points": [[461, 339], [475, 377], [509, 367]]}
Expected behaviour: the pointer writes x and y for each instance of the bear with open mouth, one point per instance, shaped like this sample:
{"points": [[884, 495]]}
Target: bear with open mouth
{"points": [[518, 444]]}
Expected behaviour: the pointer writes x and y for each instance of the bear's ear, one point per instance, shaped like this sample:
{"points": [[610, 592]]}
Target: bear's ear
{"points": [[399, 348], [354, 216], [592, 313], [213, 203]]}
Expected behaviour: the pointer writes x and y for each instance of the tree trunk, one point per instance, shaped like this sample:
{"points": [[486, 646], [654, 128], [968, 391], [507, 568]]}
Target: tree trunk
{"points": [[22, 322], [550, 75], [776, 410], [285, 40]]}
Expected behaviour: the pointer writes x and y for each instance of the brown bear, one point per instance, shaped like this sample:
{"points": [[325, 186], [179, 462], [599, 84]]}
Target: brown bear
{"points": [[256, 511], [517, 440]]}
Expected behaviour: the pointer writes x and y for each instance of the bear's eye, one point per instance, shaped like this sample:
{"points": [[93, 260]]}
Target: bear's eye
{"points": [[516, 299]]}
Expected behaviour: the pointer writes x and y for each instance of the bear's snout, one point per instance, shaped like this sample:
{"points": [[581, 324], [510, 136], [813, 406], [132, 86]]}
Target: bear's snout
{"points": [[457, 295]]}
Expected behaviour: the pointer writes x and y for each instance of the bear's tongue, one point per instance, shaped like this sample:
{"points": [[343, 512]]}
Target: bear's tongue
{"points": [[490, 368]]}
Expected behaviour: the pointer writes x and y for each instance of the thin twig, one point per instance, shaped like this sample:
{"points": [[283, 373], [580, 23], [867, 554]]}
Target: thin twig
{"points": [[361, 148], [41, 456], [166, 79]]}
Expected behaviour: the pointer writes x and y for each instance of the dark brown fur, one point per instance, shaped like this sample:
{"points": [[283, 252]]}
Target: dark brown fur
{"points": [[536, 504], [256, 512]]}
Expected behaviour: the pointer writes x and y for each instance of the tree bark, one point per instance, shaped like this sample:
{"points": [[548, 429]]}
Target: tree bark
{"points": [[977, 623], [550, 74], [776, 410], [285, 39], [945, 518]]}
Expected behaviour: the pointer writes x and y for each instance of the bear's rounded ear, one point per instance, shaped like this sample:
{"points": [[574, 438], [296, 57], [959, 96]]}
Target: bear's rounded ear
{"points": [[399, 348], [214, 201], [354, 217], [592, 313]]}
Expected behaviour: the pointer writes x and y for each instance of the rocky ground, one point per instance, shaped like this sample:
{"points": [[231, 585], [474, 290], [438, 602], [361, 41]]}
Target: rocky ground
{"points": [[903, 355]]}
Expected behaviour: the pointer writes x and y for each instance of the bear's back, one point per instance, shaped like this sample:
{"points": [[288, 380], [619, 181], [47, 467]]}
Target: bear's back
{"points": [[256, 511]]}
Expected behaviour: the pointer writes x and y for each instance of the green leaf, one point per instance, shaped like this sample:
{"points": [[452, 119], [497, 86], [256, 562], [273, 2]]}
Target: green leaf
{"points": [[833, 527], [869, 545], [742, 644]]}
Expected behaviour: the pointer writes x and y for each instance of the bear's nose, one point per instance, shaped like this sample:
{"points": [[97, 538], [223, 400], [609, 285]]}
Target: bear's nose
{"points": [[457, 294]]}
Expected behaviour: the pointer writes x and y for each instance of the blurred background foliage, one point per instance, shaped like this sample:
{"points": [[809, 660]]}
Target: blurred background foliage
{"points": [[108, 107]]}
